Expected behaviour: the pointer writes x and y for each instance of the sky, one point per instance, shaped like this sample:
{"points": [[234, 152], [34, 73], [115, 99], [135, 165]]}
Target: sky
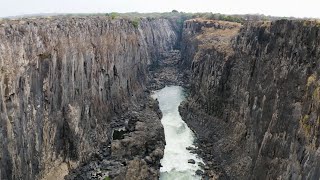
{"points": [[295, 8]]}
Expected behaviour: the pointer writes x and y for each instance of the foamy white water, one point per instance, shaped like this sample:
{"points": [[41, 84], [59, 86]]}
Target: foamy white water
{"points": [[178, 136]]}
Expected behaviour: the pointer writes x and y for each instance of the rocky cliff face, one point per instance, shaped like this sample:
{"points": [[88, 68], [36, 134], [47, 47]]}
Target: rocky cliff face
{"points": [[61, 82], [73, 95], [255, 97]]}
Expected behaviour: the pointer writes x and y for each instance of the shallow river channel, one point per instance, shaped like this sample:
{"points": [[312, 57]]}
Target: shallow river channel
{"points": [[178, 137]]}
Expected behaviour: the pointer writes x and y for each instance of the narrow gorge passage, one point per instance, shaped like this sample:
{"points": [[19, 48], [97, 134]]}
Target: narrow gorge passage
{"points": [[178, 137], [68, 85]]}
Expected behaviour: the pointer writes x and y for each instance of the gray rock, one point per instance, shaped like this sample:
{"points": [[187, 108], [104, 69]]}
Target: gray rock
{"points": [[63, 79], [199, 172], [190, 148], [244, 87], [200, 164]]}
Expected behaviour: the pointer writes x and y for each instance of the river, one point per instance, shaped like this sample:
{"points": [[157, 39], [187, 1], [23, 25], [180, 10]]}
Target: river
{"points": [[178, 137]]}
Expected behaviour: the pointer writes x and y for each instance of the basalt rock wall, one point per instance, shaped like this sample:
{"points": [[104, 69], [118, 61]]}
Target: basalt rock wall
{"points": [[62, 80], [254, 97]]}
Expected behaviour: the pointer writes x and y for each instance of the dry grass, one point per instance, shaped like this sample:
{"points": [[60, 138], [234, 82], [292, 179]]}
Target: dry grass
{"points": [[219, 36], [311, 79], [208, 21]]}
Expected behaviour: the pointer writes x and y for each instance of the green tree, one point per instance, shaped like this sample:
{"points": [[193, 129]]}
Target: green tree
{"points": [[135, 23], [114, 15]]}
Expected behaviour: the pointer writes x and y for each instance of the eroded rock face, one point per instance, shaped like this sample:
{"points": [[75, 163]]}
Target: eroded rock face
{"points": [[255, 102], [61, 82], [136, 153], [67, 83]]}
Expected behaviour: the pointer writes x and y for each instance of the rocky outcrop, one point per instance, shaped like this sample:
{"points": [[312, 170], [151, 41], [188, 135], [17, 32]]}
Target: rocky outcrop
{"points": [[254, 97], [136, 148], [61, 82], [166, 72]]}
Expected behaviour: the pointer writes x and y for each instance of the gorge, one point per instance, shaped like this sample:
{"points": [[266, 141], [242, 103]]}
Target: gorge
{"points": [[75, 96]]}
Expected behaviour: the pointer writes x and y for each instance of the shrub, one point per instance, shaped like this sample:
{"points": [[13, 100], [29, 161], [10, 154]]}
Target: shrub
{"points": [[135, 23], [114, 15]]}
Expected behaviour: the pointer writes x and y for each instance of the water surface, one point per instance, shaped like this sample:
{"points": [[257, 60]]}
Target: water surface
{"points": [[178, 136]]}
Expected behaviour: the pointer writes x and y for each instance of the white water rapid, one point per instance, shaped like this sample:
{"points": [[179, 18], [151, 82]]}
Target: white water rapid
{"points": [[178, 137]]}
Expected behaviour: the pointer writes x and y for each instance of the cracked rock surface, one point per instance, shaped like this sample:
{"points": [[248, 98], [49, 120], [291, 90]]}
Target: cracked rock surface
{"points": [[63, 80]]}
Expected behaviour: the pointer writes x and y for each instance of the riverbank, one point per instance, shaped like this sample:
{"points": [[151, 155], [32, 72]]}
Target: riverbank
{"points": [[135, 151], [140, 124]]}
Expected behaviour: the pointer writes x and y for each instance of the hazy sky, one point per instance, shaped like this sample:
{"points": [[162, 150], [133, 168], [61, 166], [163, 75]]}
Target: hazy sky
{"points": [[297, 8]]}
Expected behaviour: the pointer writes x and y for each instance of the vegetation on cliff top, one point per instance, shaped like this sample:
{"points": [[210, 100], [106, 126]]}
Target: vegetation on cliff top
{"points": [[174, 14]]}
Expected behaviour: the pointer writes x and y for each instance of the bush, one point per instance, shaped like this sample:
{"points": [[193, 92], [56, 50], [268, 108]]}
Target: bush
{"points": [[114, 15], [135, 23]]}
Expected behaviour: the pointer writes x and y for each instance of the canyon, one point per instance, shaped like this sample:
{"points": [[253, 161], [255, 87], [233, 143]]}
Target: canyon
{"points": [[75, 96]]}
